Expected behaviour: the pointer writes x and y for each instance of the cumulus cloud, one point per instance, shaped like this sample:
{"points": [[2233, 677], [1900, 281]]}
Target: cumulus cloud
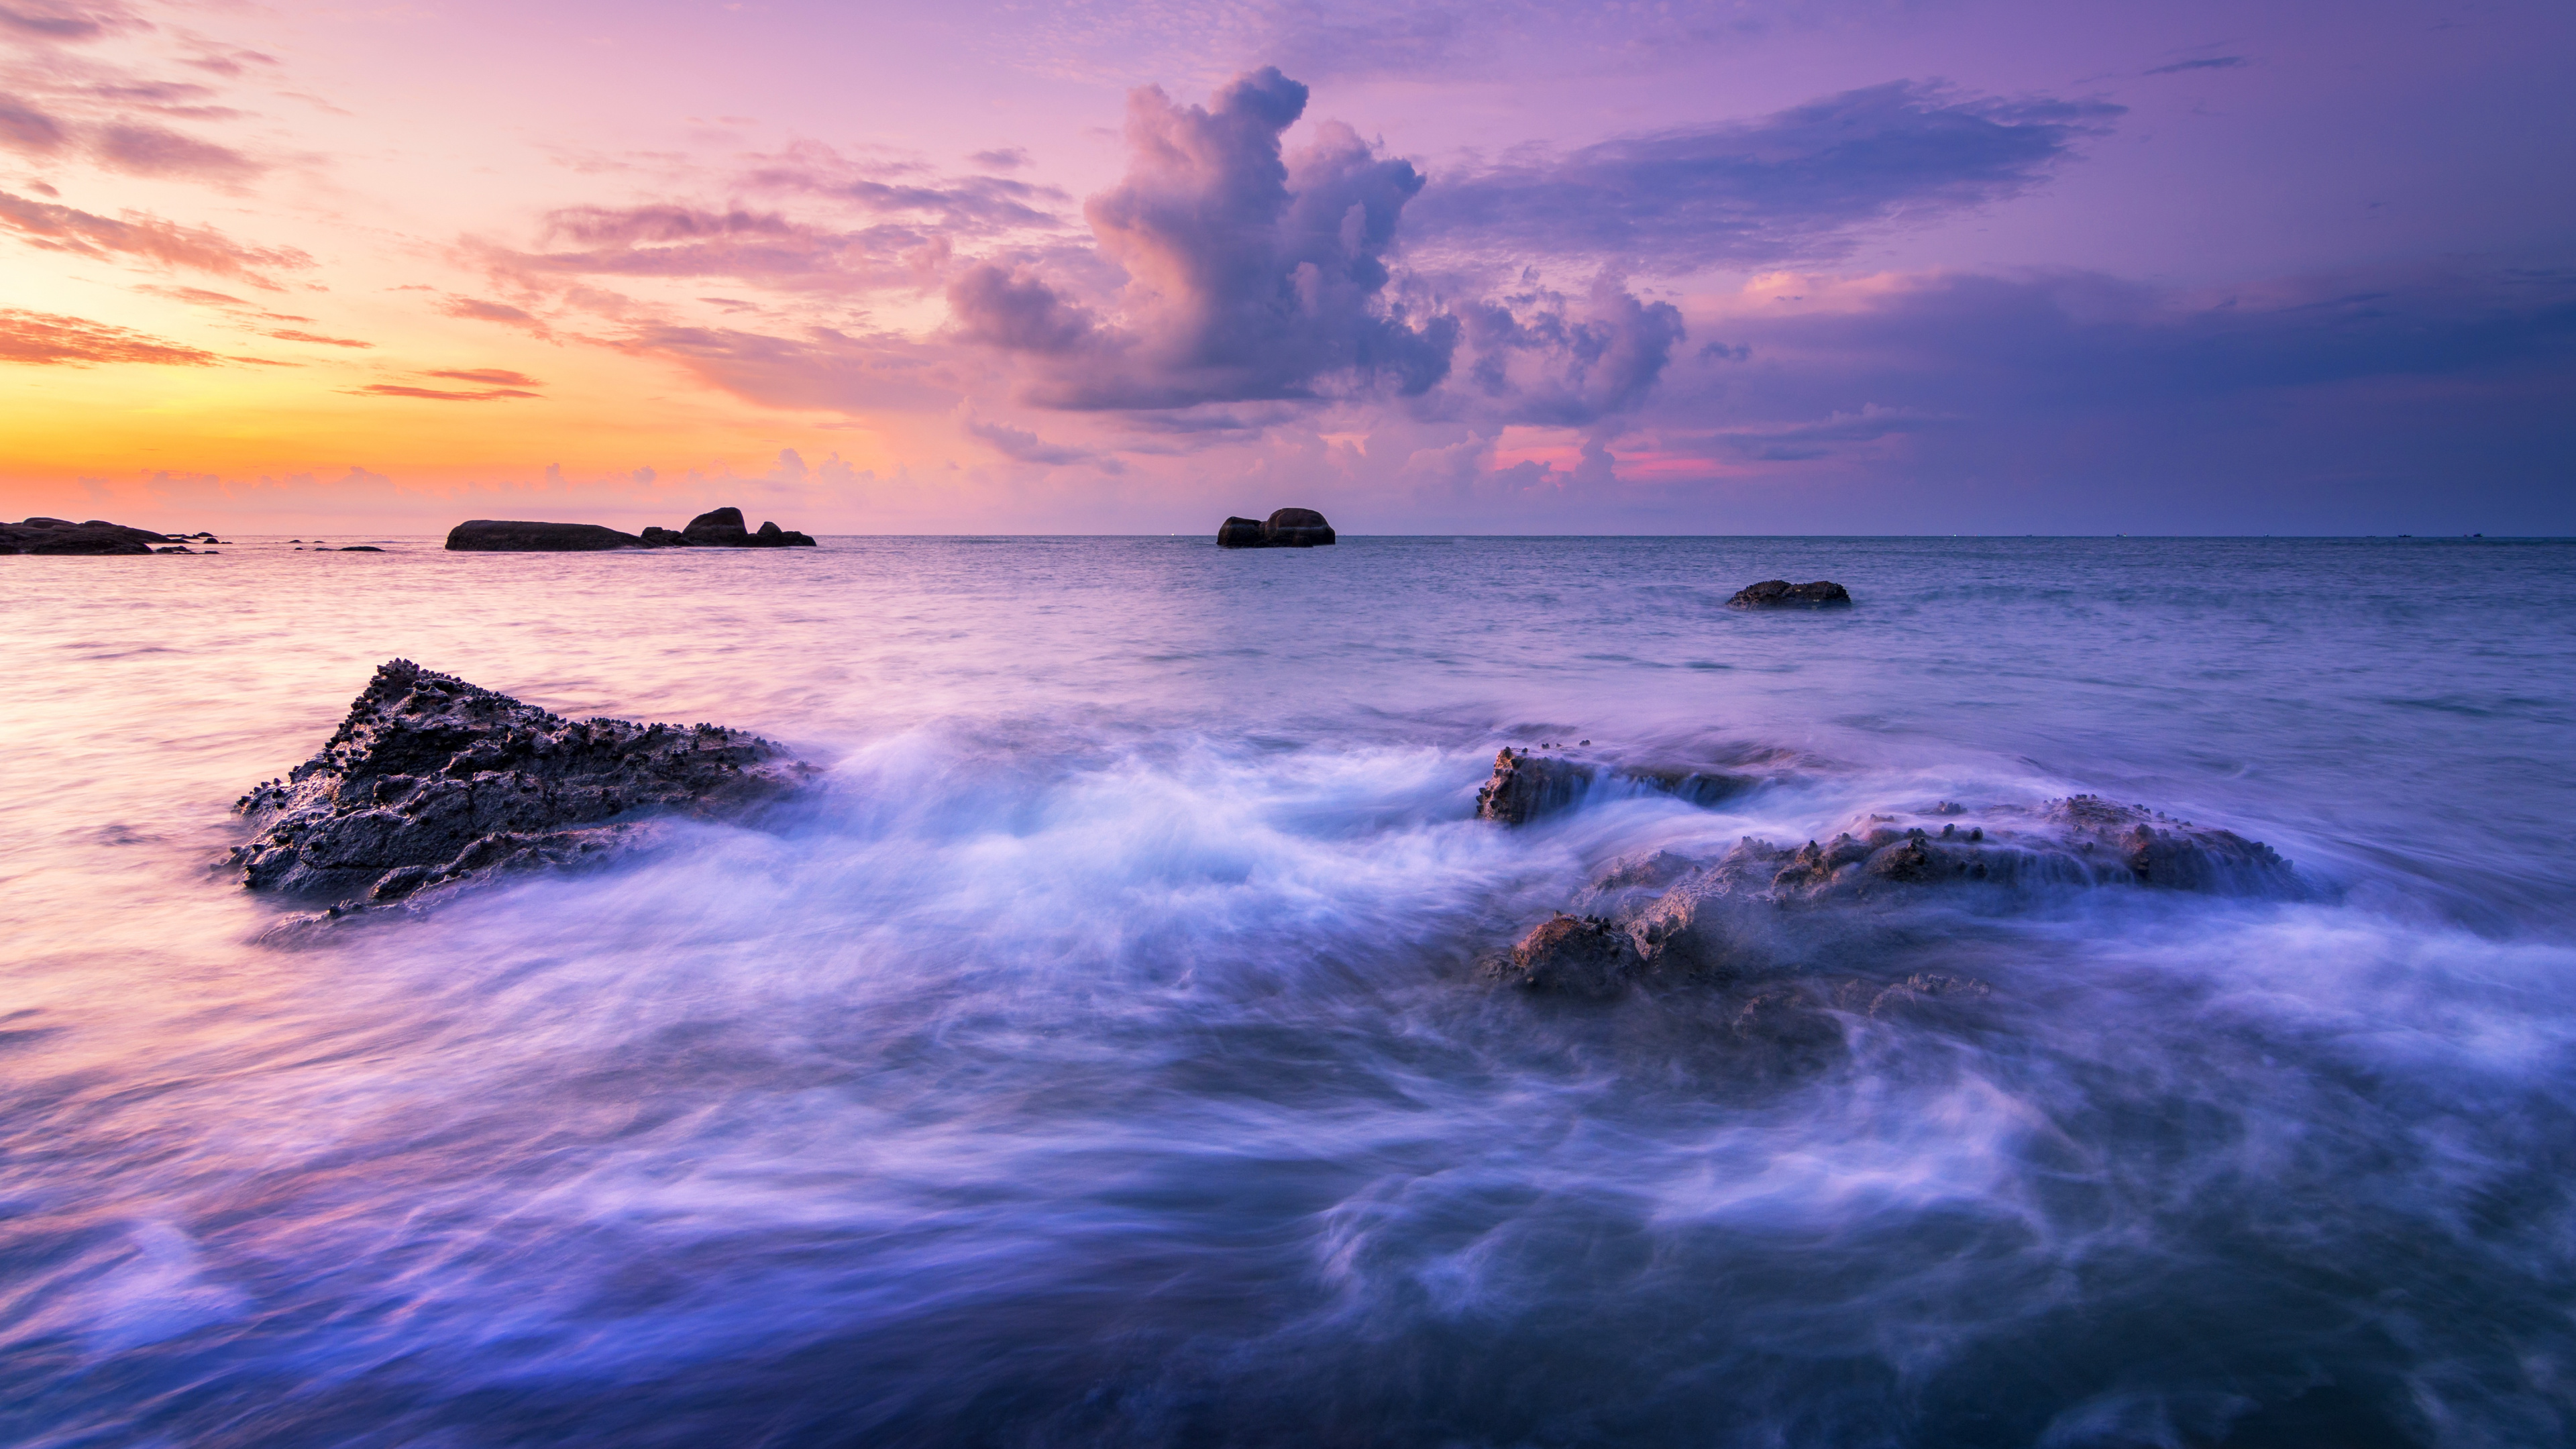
{"points": [[54, 227], [1791, 185], [1250, 274], [1565, 368], [51, 338]]}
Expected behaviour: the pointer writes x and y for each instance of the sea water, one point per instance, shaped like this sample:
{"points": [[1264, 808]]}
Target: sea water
{"points": [[1096, 1054]]}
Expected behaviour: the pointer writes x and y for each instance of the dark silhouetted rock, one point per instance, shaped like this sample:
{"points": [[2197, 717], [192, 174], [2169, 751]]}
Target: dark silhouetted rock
{"points": [[772, 536], [495, 535], [62, 536], [1782, 594], [362, 548], [720, 527], [1571, 956], [1286, 528], [432, 780], [663, 538], [175, 548], [1296, 528]]}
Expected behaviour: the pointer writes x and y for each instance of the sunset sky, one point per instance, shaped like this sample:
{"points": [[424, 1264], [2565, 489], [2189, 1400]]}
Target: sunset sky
{"points": [[1908, 266]]}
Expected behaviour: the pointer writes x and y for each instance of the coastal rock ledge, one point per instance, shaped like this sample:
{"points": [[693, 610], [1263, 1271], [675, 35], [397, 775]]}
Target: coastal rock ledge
{"points": [[431, 780], [716, 528], [98, 536], [1286, 528]]}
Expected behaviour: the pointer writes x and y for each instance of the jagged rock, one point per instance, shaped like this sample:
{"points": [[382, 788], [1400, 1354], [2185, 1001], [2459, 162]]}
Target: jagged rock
{"points": [[431, 780], [497, 535], [62, 536], [1526, 786], [1286, 528], [1571, 956], [1761, 905], [1782, 594]]}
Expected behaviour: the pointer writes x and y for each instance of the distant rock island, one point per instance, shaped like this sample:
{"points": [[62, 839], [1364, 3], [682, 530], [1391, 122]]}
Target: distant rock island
{"points": [[721, 528], [1287, 528], [98, 536], [1782, 594]]}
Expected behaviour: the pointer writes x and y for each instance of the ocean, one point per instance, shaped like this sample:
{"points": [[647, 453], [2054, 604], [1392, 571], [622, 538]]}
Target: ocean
{"points": [[1097, 1053]]}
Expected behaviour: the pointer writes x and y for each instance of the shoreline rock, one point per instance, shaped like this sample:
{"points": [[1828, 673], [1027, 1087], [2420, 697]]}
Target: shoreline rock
{"points": [[1782, 594], [431, 781], [1285, 528]]}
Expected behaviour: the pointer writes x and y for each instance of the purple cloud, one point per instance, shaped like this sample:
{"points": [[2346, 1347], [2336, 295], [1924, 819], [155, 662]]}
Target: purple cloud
{"points": [[24, 128], [1791, 185], [1025, 446], [1248, 277], [143, 150]]}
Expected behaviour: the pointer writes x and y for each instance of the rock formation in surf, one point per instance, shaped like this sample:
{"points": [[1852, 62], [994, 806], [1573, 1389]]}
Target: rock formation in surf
{"points": [[717, 528], [1761, 908], [1286, 528], [1526, 786], [98, 536], [432, 780], [1782, 594]]}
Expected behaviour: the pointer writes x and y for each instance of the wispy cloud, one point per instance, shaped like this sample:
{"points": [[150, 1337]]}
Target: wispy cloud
{"points": [[51, 338], [54, 227]]}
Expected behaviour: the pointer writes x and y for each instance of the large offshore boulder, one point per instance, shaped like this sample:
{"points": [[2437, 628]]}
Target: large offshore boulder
{"points": [[431, 780], [1782, 594], [721, 527], [505, 535], [1285, 528], [97, 536]]}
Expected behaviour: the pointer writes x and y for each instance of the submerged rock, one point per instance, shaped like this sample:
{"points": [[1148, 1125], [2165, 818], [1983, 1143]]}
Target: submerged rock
{"points": [[1782, 594], [432, 780], [1286, 528], [1571, 956], [1526, 786], [1761, 908], [98, 536]]}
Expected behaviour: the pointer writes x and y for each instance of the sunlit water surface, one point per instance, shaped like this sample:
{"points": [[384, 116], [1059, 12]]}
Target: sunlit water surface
{"points": [[1095, 1056]]}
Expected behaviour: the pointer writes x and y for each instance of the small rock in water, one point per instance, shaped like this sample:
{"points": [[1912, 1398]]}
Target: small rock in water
{"points": [[1782, 594], [432, 780]]}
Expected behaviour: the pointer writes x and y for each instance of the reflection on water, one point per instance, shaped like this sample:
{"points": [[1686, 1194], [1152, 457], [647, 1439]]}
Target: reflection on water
{"points": [[1096, 1055]]}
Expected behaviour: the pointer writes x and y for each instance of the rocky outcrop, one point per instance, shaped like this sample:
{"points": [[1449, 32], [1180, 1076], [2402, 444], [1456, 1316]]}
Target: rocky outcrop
{"points": [[1286, 528], [1571, 956], [1761, 908], [717, 528], [723, 528], [431, 780], [1782, 594], [1526, 786], [500, 535], [98, 536]]}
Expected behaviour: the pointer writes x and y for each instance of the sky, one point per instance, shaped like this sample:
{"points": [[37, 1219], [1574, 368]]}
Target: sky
{"points": [[1907, 266]]}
